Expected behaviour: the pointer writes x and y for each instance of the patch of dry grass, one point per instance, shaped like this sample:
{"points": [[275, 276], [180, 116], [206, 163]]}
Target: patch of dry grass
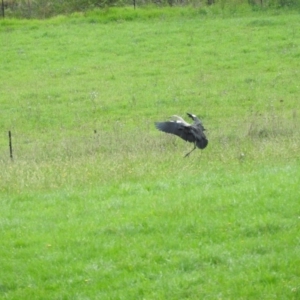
{"points": [[127, 153]]}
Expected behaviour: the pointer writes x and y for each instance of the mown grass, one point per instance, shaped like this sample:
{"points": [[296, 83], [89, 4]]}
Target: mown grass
{"points": [[168, 238], [97, 204]]}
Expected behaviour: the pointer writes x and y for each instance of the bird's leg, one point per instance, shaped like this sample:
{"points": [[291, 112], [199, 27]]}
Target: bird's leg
{"points": [[190, 151]]}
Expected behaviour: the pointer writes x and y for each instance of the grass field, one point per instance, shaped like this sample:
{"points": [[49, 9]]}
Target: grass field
{"points": [[97, 204]]}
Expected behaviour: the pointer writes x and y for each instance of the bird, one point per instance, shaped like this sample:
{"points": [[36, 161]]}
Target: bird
{"points": [[193, 133]]}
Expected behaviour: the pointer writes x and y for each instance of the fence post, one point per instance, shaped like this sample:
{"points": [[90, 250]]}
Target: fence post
{"points": [[10, 146]]}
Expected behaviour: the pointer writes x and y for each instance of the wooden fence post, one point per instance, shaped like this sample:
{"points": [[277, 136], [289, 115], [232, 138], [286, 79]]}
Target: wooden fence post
{"points": [[10, 146]]}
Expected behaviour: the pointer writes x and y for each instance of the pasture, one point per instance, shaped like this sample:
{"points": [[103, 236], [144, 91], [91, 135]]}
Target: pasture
{"points": [[98, 204]]}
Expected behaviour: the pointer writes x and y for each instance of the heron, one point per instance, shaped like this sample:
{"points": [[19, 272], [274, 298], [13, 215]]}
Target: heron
{"points": [[193, 133]]}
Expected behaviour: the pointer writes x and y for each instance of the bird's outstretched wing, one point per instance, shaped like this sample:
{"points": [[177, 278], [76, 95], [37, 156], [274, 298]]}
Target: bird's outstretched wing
{"points": [[198, 131], [177, 128], [197, 121]]}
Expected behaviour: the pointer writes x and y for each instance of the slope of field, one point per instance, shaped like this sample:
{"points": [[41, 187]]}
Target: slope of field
{"points": [[97, 204]]}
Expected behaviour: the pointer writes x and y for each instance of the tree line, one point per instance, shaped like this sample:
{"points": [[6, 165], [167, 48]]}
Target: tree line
{"points": [[49, 8]]}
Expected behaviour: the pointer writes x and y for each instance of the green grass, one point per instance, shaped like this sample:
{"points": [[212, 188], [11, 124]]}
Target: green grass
{"points": [[98, 204]]}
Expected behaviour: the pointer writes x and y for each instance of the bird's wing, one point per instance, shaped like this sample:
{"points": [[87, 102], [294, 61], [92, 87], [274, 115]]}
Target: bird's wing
{"points": [[176, 128], [197, 121], [179, 120]]}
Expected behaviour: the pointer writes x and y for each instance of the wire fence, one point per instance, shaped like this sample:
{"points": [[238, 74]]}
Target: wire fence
{"points": [[273, 134], [16, 146]]}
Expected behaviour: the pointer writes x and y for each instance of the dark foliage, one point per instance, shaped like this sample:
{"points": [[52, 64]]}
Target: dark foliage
{"points": [[49, 8]]}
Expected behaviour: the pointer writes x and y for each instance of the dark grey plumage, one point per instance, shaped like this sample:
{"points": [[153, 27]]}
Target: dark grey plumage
{"points": [[193, 133]]}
